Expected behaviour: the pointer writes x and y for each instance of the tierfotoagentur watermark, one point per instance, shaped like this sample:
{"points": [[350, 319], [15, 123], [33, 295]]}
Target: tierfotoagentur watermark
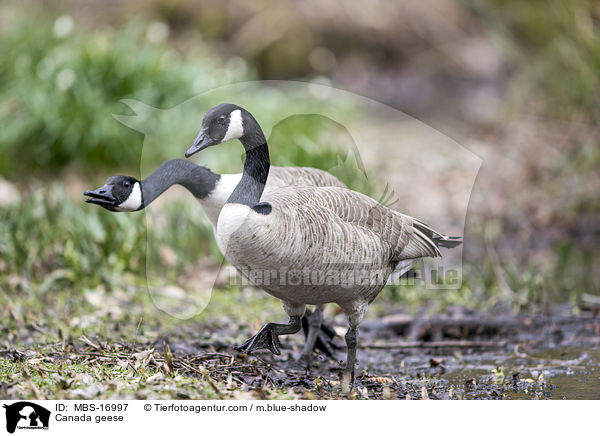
{"points": [[343, 276]]}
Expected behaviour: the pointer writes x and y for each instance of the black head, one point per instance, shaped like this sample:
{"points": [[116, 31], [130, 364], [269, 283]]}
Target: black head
{"points": [[119, 194], [223, 123]]}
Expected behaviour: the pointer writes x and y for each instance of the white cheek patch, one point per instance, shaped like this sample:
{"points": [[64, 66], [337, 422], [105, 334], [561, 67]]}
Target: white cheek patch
{"points": [[236, 126], [134, 201]]}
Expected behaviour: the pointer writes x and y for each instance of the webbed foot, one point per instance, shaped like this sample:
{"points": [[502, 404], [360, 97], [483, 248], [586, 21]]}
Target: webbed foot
{"points": [[268, 337], [264, 339]]}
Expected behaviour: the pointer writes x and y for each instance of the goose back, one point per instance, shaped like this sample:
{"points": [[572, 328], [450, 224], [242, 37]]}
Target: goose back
{"points": [[278, 178], [324, 231], [305, 176]]}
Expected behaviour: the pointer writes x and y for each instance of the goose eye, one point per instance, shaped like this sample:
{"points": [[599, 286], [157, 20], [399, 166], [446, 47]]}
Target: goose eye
{"points": [[221, 118], [126, 184]]}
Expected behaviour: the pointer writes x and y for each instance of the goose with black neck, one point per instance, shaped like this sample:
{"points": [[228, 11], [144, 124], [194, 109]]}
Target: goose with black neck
{"points": [[230, 124], [322, 230], [212, 190]]}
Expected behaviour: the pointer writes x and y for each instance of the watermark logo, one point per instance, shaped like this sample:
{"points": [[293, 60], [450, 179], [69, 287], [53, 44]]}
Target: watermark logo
{"points": [[416, 170], [25, 415]]}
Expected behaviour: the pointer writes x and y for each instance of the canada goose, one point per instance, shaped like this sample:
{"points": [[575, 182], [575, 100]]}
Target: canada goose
{"points": [[127, 194], [348, 244]]}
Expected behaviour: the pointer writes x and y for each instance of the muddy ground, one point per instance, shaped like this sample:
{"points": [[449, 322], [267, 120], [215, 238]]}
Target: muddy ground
{"points": [[459, 355]]}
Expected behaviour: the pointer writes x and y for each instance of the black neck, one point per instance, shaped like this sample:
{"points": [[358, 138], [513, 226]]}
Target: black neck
{"points": [[200, 181], [256, 170]]}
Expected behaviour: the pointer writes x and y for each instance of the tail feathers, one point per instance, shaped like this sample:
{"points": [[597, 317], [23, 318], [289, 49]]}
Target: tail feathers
{"points": [[447, 241], [424, 243], [435, 238]]}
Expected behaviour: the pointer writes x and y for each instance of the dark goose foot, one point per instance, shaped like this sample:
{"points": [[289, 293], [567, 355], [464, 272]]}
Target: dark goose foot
{"points": [[267, 337]]}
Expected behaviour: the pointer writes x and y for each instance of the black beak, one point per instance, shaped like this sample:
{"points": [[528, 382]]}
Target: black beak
{"points": [[201, 142], [102, 196]]}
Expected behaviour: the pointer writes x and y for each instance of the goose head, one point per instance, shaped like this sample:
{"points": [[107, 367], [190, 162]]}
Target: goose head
{"points": [[223, 123], [119, 194]]}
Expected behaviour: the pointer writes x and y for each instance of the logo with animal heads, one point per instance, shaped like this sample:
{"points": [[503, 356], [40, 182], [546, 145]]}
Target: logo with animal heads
{"points": [[26, 415]]}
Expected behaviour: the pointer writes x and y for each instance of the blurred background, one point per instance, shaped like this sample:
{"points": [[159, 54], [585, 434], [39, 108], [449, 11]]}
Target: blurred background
{"points": [[517, 83]]}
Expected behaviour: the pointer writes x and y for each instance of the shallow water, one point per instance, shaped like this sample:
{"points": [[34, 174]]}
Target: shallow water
{"points": [[571, 373]]}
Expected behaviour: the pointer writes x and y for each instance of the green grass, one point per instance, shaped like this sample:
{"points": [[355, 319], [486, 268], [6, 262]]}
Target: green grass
{"points": [[42, 377], [58, 92], [48, 231]]}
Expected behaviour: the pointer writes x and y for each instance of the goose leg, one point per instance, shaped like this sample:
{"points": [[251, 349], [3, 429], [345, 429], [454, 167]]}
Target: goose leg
{"points": [[314, 321], [355, 315], [351, 343], [268, 336], [318, 335]]}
